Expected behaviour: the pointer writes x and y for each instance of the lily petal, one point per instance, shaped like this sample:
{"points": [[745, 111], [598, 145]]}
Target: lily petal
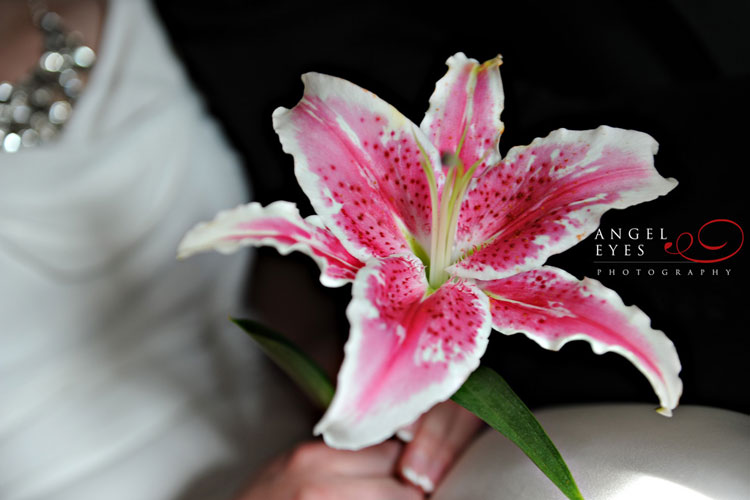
{"points": [[552, 307], [545, 197], [464, 112], [406, 351], [360, 162], [278, 225]]}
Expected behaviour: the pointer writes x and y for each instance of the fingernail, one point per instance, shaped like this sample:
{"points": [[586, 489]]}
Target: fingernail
{"points": [[406, 435], [416, 479]]}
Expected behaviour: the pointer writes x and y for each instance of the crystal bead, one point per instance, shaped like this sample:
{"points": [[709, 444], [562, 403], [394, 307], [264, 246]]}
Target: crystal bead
{"points": [[67, 74], [84, 56], [21, 114], [50, 21], [38, 119], [19, 98], [29, 138], [59, 112], [73, 88], [6, 113], [52, 61], [73, 39], [12, 142], [54, 41], [68, 62], [41, 97], [6, 89], [47, 131]]}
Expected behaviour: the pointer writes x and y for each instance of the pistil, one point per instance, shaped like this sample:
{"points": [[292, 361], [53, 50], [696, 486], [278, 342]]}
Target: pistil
{"points": [[444, 231], [446, 207]]}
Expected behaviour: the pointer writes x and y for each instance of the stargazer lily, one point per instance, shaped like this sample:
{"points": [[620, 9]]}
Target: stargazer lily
{"points": [[444, 240]]}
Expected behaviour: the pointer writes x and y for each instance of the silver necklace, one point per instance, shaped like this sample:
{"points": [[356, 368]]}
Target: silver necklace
{"points": [[35, 110]]}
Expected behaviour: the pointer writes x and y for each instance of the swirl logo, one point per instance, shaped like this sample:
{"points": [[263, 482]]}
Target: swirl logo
{"points": [[676, 248]]}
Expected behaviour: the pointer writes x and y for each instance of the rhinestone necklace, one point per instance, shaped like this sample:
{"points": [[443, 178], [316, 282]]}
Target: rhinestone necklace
{"points": [[35, 110]]}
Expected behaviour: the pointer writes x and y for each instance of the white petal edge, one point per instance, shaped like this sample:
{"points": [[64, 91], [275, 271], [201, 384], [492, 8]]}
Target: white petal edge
{"points": [[208, 236]]}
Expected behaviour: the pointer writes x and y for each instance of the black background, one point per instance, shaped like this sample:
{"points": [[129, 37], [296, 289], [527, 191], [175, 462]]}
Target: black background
{"points": [[679, 71]]}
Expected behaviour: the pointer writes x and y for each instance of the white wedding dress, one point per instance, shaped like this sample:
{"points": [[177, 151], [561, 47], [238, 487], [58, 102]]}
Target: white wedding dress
{"points": [[616, 452], [120, 374]]}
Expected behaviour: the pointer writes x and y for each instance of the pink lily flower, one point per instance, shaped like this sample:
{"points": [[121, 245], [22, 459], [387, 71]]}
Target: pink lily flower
{"points": [[444, 240]]}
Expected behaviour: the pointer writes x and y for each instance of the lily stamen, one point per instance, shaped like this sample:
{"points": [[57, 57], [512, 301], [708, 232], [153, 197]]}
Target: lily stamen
{"points": [[444, 229]]}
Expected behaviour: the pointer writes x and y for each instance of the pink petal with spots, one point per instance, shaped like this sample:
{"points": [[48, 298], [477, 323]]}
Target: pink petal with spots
{"points": [[405, 353], [544, 198], [278, 225], [552, 307], [359, 161], [465, 109]]}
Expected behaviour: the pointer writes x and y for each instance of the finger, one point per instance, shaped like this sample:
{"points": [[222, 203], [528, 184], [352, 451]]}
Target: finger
{"points": [[374, 461], [443, 434], [348, 488]]}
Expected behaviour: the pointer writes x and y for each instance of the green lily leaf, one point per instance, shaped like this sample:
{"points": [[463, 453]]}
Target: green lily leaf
{"points": [[488, 396], [304, 371]]}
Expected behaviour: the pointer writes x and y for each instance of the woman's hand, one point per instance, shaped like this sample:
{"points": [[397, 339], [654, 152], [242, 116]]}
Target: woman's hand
{"points": [[315, 472], [435, 442]]}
